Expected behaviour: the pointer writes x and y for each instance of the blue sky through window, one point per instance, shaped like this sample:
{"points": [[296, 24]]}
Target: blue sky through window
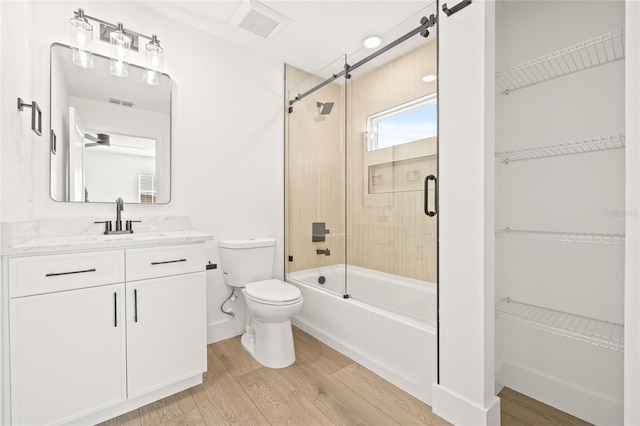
{"points": [[407, 126]]}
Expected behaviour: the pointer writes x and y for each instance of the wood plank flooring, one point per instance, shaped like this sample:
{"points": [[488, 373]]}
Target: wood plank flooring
{"points": [[323, 387]]}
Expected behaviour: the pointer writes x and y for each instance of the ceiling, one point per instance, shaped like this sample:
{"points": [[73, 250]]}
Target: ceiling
{"points": [[319, 32]]}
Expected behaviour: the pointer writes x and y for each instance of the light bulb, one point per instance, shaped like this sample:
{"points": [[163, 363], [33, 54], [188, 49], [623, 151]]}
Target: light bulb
{"points": [[81, 39]]}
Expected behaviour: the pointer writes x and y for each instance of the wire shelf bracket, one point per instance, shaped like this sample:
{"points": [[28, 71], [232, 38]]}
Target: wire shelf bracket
{"points": [[562, 237], [597, 51], [602, 143], [600, 333]]}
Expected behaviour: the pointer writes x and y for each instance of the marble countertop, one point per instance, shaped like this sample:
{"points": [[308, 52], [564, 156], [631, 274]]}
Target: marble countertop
{"points": [[101, 242]]}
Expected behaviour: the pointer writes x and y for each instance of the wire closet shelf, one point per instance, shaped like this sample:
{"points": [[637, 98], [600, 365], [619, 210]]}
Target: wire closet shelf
{"points": [[605, 334], [561, 237], [597, 51], [602, 143]]}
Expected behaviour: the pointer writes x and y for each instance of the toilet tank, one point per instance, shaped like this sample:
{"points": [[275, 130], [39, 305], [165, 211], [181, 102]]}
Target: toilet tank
{"points": [[247, 260]]}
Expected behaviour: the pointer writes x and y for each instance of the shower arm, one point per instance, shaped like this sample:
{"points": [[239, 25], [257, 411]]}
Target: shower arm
{"points": [[423, 30]]}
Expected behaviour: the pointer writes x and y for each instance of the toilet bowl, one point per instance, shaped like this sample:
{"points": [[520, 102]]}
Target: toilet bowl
{"points": [[271, 303], [269, 339]]}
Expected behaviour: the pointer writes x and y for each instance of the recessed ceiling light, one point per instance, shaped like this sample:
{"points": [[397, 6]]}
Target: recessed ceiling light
{"points": [[429, 78], [372, 41]]}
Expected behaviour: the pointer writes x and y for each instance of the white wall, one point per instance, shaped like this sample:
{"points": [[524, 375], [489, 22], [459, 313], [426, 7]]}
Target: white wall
{"points": [[227, 169], [18, 141], [109, 176], [4, 315], [465, 394], [632, 266]]}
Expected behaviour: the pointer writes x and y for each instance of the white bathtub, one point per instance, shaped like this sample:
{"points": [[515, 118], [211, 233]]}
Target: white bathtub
{"points": [[387, 324]]}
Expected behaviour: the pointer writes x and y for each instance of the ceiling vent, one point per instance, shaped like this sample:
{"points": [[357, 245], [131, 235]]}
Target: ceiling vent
{"points": [[259, 19], [121, 102]]}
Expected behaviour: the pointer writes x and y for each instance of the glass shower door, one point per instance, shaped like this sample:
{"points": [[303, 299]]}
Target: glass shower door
{"points": [[315, 179], [391, 176]]}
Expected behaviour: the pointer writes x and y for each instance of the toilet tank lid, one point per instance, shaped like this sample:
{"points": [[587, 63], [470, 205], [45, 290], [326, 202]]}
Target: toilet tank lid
{"points": [[247, 243]]}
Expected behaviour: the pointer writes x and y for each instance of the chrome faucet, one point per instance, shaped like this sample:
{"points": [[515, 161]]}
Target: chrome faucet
{"points": [[119, 208]]}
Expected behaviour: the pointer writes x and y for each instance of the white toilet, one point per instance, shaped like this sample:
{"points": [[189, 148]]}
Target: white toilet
{"points": [[271, 303]]}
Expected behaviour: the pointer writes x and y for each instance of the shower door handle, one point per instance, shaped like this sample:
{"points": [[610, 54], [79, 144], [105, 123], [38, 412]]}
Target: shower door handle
{"points": [[428, 212]]}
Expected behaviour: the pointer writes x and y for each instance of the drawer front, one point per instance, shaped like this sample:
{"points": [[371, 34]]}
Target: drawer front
{"points": [[48, 273], [153, 262]]}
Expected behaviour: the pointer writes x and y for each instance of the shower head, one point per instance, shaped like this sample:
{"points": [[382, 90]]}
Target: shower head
{"points": [[326, 107]]}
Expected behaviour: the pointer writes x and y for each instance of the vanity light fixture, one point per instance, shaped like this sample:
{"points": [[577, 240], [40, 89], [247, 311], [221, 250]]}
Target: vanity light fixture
{"points": [[372, 41], [121, 42], [81, 36]]}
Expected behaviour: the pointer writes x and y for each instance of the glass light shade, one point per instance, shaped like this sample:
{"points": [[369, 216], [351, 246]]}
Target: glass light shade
{"points": [[119, 68], [155, 56], [155, 61], [82, 58], [151, 77], [81, 40], [120, 52]]}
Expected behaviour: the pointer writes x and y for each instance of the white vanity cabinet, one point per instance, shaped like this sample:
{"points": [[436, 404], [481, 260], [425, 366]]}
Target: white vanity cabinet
{"points": [[67, 354], [165, 316], [96, 334]]}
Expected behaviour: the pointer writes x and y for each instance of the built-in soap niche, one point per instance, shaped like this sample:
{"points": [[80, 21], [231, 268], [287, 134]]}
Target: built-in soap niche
{"points": [[400, 176]]}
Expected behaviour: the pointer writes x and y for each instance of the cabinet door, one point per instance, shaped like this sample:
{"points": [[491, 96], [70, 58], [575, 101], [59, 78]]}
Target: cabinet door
{"points": [[166, 324], [68, 354]]}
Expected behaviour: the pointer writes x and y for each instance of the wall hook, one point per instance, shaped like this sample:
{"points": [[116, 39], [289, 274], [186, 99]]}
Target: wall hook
{"points": [[36, 115]]}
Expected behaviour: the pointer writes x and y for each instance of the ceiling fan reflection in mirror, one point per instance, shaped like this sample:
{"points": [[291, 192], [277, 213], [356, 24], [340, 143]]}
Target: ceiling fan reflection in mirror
{"points": [[100, 139]]}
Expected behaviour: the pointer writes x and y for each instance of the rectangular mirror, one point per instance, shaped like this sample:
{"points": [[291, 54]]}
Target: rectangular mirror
{"points": [[111, 136]]}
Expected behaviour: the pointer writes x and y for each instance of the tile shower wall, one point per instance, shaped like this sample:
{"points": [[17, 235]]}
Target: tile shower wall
{"points": [[391, 224], [381, 227]]}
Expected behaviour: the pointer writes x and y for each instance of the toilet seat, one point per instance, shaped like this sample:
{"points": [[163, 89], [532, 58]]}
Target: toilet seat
{"points": [[273, 292]]}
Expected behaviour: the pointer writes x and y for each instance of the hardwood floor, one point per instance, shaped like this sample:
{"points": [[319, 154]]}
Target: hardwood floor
{"points": [[323, 387]]}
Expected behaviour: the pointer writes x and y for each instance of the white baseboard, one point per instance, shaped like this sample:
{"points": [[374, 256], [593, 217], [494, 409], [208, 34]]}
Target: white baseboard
{"points": [[460, 411], [589, 406], [226, 329]]}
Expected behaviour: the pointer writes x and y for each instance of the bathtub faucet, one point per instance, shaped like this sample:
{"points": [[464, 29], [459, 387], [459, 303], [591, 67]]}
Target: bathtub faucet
{"points": [[326, 252]]}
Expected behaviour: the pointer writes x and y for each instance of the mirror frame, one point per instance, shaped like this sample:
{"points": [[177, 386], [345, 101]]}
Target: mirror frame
{"points": [[53, 142]]}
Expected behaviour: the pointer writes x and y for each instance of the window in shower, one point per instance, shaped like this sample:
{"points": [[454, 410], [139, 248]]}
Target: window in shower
{"points": [[409, 122]]}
